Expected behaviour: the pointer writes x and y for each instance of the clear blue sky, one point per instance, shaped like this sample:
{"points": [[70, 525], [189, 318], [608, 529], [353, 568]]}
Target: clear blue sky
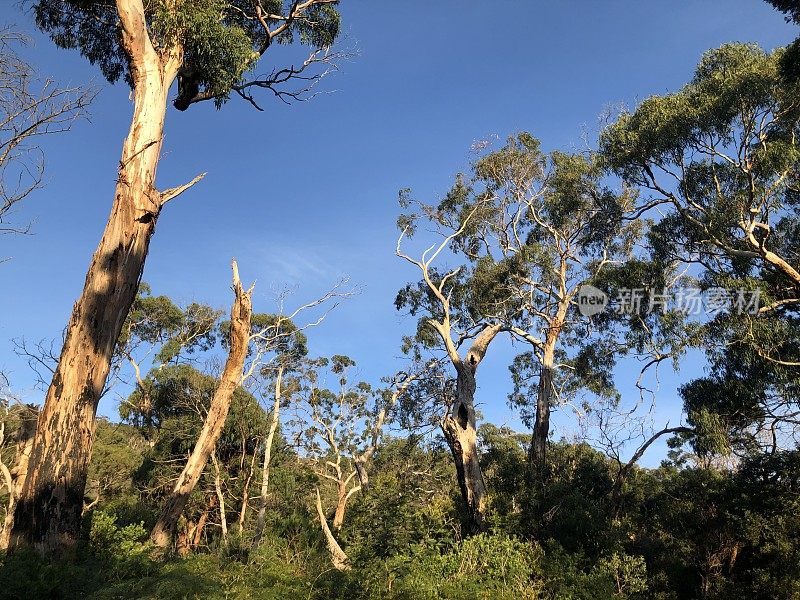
{"points": [[305, 193]]}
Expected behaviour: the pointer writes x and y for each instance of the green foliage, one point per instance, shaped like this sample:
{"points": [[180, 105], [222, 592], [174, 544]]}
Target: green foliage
{"points": [[790, 8], [217, 51], [122, 549], [483, 566], [411, 499], [221, 39]]}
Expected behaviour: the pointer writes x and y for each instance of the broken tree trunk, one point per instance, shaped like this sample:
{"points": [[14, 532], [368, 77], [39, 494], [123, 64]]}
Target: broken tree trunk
{"points": [[48, 512], [231, 378]]}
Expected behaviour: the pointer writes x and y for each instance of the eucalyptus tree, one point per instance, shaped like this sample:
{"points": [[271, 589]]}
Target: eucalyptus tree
{"points": [[181, 396], [210, 47], [547, 227], [17, 426], [331, 425], [287, 344], [719, 159], [448, 326], [159, 333], [339, 425]]}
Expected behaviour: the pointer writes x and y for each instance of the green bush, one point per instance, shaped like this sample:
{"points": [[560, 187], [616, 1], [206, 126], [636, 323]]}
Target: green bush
{"points": [[123, 549], [484, 566]]}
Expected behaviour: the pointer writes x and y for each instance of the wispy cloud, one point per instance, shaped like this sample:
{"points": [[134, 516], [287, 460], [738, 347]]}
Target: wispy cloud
{"points": [[295, 264]]}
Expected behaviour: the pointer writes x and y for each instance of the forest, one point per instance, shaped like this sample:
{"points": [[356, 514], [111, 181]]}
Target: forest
{"points": [[595, 392]]}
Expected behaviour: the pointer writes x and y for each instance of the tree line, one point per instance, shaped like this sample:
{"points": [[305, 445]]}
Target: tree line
{"points": [[270, 471]]}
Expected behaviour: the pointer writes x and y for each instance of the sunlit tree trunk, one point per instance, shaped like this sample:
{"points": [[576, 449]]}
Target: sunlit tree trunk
{"points": [[231, 378], [460, 433], [223, 517], [339, 559], [48, 513], [342, 498]]}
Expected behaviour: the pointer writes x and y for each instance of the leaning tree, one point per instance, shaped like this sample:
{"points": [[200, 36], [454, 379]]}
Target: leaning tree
{"points": [[209, 47]]}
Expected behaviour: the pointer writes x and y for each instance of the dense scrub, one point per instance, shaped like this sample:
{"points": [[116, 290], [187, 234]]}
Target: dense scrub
{"points": [[682, 533]]}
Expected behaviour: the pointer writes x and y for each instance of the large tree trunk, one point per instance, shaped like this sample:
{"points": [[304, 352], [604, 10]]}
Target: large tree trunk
{"points": [[231, 378], [461, 434], [48, 513], [273, 427], [341, 506], [459, 426], [342, 498]]}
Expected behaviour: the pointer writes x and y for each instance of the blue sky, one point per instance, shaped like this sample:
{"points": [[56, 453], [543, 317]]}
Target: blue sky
{"points": [[303, 194]]}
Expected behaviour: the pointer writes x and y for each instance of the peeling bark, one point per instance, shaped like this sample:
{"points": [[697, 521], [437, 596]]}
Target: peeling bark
{"points": [[231, 378], [461, 434], [48, 513]]}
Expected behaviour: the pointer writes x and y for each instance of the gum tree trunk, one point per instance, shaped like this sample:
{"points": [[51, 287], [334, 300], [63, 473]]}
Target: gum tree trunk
{"points": [[223, 517], [461, 434], [342, 498], [339, 559], [48, 513], [231, 378], [545, 396], [537, 454]]}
